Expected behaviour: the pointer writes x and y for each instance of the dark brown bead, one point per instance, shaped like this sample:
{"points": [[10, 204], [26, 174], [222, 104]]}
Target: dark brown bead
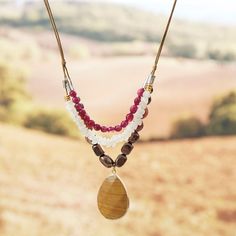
{"points": [[145, 113], [134, 137], [149, 100], [140, 127], [106, 161], [98, 150], [120, 160], [88, 140], [127, 148]]}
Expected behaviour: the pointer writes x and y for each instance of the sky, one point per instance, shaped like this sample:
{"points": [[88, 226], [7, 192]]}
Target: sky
{"points": [[213, 11]]}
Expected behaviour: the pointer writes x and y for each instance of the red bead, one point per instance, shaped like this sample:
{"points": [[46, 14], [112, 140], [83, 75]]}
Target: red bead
{"points": [[140, 127], [145, 113], [73, 93], [120, 160], [79, 106], [137, 100], [134, 137], [127, 148], [133, 109], [82, 113], [104, 129], [124, 123], [129, 117], [91, 124], [118, 128], [97, 127], [98, 150], [106, 161], [111, 128], [86, 119], [140, 92], [76, 100]]}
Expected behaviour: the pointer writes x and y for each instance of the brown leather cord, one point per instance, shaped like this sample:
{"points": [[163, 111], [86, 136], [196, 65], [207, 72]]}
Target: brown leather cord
{"points": [[163, 40], [65, 70], [63, 60]]}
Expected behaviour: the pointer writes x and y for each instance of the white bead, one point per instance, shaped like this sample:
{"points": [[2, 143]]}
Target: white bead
{"points": [[140, 122], [94, 142], [113, 138], [83, 131], [103, 141], [122, 136], [143, 104], [144, 100], [125, 133], [146, 94], [140, 112], [136, 123]]}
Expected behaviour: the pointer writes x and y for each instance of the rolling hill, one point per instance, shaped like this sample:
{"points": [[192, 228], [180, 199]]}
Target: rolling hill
{"points": [[116, 23]]}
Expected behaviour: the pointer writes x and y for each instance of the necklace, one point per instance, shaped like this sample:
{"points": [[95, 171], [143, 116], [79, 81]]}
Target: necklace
{"points": [[112, 199]]}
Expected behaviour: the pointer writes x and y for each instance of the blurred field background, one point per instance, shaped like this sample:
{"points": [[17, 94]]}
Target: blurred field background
{"points": [[181, 176]]}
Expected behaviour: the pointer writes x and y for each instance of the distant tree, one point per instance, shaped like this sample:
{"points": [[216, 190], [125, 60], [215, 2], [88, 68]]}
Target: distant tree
{"points": [[17, 108], [187, 50], [12, 88], [228, 99], [229, 56], [217, 55], [222, 117], [51, 121], [213, 54], [189, 127]]}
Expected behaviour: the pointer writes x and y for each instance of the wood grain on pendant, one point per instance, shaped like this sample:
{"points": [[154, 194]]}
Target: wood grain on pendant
{"points": [[113, 201]]}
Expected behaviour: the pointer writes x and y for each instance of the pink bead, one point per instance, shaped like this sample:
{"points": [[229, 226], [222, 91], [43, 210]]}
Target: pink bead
{"points": [[76, 100], [73, 93], [137, 100], [133, 109], [124, 123], [118, 128], [140, 92], [104, 129], [86, 119], [129, 117], [79, 106], [82, 113], [91, 123], [110, 129], [97, 127]]}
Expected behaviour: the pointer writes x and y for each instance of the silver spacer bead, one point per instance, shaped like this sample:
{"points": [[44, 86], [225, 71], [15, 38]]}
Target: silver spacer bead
{"points": [[149, 81]]}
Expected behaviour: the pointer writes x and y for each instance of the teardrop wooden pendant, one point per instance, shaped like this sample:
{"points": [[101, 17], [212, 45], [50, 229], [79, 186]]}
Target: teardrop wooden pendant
{"points": [[112, 199]]}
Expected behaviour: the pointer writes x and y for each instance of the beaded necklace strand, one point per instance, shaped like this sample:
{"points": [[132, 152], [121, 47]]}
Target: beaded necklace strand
{"points": [[113, 201]]}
